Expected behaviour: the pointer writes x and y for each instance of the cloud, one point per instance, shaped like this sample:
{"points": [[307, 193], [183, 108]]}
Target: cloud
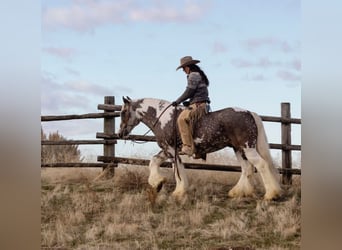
{"points": [[56, 98], [64, 53], [287, 71], [83, 15], [71, 71], [261, 63], [288, 76], [86, 15], [269, 42], [189, 11], [264, 62], [219, 48], [88, 88], [74, 96], [296, 65], [254, 78]]}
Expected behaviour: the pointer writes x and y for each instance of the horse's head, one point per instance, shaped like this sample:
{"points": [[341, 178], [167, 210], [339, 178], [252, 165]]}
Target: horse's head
{"points": [[129, 119]]}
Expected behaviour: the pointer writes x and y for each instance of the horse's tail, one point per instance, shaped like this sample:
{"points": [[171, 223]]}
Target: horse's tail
{"points": [[263, 147]]}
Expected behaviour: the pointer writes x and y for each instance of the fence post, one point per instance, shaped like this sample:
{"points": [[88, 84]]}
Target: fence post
{"points": [[108, 128], [285, 141]]}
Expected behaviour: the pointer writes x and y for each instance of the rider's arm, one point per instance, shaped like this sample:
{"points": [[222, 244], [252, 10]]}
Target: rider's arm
{"points": [[187, 94], [194, 79]]}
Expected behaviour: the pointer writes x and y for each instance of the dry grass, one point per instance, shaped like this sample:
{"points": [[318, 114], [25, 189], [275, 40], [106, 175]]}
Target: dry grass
{"points": [[80, 213]]}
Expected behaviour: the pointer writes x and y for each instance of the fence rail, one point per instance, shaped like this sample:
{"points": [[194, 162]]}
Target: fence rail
{"points": [[108, 139]]}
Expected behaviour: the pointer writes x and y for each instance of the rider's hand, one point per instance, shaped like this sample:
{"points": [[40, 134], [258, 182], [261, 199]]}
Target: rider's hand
{"points": [[174, 103]]}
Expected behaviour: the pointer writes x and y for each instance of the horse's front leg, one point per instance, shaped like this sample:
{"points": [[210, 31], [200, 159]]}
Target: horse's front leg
{"points": [[182, 183], [156, 179]]}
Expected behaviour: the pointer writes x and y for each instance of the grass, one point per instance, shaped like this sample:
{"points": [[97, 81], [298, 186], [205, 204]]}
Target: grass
{"points": [[118, 213]]}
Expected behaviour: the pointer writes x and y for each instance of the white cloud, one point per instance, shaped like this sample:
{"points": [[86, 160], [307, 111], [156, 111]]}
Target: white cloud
{"points": [[265, 62], [56, 98], [296, 64], [219, 48], [188, 11], [254, 77], [71, 71], [288, 76], [64, 53], [88, 88], [86, 15], [78, 96], [287, 71], [270, 42]]}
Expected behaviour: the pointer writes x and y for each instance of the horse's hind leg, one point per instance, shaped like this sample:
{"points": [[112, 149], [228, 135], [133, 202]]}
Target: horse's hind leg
{"points": [[156, 179], [272, 186], [244, 186]]}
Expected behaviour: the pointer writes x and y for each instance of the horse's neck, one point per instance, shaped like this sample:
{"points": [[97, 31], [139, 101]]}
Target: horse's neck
{"points": [[153, 111], [149, 121], [158, 116]]}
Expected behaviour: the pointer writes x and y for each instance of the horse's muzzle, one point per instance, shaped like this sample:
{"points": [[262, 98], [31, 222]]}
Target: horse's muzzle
{"points": [[122, 133]]}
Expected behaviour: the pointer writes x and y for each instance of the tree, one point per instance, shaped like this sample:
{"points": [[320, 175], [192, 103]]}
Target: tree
{"points": [[58, 153]]}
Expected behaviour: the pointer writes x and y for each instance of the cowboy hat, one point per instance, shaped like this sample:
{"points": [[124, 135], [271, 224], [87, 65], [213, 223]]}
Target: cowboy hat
{"points": [[185, 61]]}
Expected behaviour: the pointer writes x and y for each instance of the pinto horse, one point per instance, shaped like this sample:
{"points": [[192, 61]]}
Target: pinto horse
{"points": [[233, 127]]}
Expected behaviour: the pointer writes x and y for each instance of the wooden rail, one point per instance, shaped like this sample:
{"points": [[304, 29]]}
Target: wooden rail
{"points": [[142, 162], [108, 139], [47, 118]]}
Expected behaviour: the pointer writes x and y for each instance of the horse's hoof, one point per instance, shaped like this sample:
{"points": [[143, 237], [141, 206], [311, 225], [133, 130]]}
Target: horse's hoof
{"points": [[178, 195], [231, 194], [273, 196], [235, 194]]}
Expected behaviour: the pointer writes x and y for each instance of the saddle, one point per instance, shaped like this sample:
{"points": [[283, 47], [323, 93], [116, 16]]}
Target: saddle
{"points": [[187, 104]]}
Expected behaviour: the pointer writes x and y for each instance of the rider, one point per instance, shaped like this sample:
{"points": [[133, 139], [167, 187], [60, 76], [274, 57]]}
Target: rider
{"points": [[198, 95]]}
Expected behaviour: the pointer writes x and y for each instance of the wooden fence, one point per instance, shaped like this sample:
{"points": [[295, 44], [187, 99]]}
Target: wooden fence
{"points": [[108, 138]]}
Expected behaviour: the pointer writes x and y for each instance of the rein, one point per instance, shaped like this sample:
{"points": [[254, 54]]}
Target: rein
{"points": [[176, 151]]}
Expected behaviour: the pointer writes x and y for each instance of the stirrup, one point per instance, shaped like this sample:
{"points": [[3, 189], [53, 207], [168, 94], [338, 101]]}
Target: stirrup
{"points": [[186, 150], [202, 156]]}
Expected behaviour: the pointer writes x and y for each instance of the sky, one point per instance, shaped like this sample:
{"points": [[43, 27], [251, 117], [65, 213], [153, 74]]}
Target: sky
{"points": [[249, 49], [252, 52]]}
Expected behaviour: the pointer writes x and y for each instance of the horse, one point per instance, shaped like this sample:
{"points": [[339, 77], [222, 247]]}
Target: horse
{"points": [[237, 128]]}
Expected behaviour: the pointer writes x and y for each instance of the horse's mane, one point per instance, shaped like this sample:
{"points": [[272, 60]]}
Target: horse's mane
{"points": [[152, 99]]}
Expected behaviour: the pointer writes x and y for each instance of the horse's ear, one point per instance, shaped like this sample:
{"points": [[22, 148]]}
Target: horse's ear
{"points": [[126, 100]]}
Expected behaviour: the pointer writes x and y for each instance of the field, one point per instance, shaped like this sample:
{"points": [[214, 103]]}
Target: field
{"points": [[81, 211]]}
